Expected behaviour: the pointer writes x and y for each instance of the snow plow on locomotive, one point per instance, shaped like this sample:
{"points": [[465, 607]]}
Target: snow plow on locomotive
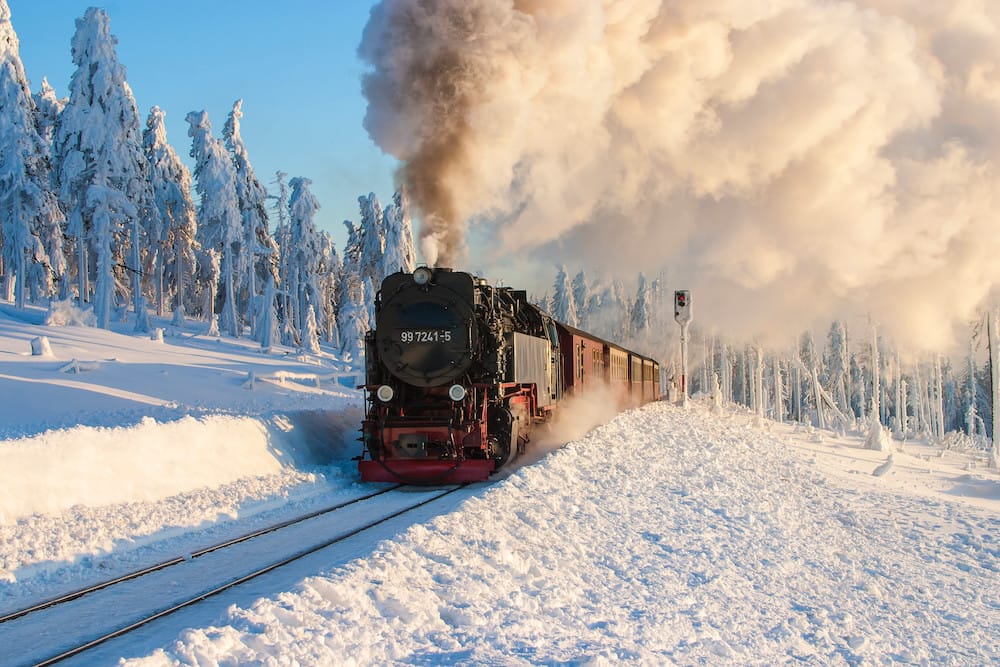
{"points": [[459, 372]]}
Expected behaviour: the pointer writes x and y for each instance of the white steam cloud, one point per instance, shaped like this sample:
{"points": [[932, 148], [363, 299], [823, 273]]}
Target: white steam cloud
{"points": [[786, 160]]}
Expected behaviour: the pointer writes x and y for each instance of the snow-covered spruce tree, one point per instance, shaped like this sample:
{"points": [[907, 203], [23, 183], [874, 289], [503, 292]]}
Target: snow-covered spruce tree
{"points": [[207, 272], [219, 219], [172, 234], [310, 336], [660, 304], [581, 297], [306, 259], [51, 231], [811, 362], [859, 398], [779, 390], [372, 236], [352, 311], [329, 281], [639, 316], [352, 318], [400, 254], [258, 257], [594, 303], [835, 362], [267, 324], [103, 173], [542, 302], [607, 311], [619, 309], [29, 211], [876, 435], [969, 397], [563, 305], [984, 397], [48, 107], [282, 235]]}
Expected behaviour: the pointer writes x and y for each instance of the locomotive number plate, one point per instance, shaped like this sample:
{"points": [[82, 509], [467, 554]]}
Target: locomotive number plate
{"points": [[425, 336]]}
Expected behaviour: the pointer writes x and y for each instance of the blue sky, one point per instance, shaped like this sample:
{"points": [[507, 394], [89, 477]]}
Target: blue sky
{"points": [[294, 63]]}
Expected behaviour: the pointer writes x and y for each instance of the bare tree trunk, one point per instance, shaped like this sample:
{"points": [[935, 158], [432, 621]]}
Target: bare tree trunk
{"points": [[900, 402], [919, 414], [159, 279], [779, 393], [797, 394], [230, 304], [848, 381], [939, 398], [180, 273], [876, 377], [991, 325], [20, 281], [758, 381], [818, 398], [82, 272], [724, 375], [904, 421]]}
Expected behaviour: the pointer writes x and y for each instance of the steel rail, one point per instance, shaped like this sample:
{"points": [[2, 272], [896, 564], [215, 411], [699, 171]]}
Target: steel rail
{"points": [[236, 582], [79, 593]]}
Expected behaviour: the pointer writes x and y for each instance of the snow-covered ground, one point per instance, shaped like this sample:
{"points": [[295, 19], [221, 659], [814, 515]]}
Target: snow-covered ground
{"points": [[663, 536]]}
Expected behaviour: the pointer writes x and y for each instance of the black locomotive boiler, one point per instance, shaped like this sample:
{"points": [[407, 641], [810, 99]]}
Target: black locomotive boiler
{"points": [[458, 372]]}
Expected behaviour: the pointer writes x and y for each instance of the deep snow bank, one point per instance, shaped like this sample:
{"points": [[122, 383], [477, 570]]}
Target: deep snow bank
{"points": [[83, 504], [666, 536], [54, 471]]}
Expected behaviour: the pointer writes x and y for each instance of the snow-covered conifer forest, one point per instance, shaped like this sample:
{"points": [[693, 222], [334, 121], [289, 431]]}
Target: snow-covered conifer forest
{"points": [[97, 207], [845, 380]]}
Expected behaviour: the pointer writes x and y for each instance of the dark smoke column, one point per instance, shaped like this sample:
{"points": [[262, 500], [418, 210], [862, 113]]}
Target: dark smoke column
{"points": [[431, 62]]}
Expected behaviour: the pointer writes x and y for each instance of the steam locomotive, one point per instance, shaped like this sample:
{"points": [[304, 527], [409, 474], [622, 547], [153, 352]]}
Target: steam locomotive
{"points": [[459, 372]]}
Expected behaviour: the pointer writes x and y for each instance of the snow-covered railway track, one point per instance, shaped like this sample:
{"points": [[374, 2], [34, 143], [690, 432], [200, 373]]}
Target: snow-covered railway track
{"points": [[77, 622], [73, 595]]}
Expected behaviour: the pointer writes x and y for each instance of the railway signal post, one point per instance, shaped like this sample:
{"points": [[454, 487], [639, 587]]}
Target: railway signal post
{"points": [[682, 314]]}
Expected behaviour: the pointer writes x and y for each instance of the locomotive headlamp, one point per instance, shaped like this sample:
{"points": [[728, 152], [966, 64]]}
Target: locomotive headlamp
{"points": [[456, 392], [385, 393], [423, 275]]}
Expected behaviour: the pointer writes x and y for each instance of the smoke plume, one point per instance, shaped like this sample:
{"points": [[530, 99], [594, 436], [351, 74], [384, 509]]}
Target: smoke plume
{"points": [[787, 161]]}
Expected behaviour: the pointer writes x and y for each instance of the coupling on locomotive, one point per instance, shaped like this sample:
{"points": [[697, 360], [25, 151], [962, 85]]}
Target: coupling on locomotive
{"points": [[458, 373]]}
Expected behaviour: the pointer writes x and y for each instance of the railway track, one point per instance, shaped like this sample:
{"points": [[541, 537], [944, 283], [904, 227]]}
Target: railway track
{"points": [[185, 581]]}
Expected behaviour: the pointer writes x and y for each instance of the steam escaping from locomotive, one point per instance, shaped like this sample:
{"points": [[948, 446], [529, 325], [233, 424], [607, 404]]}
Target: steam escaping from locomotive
{"points": [[427, 83], [788, 160]]}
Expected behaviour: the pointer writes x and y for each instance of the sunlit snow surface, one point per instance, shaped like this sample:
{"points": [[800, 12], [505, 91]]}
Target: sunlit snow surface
{"points": [[664, 536]]}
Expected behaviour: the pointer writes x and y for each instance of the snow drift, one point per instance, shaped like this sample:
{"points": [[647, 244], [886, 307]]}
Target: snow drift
{"points": [[93, 466]]}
